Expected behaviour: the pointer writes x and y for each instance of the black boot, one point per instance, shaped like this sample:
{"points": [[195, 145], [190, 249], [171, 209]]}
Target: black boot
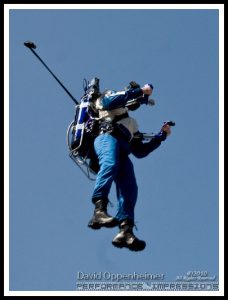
{"points": [[100, 217], [126, 237]]}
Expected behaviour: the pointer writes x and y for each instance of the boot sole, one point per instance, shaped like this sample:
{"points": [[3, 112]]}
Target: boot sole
{"points": [[118, 245], [99, 225], [130, 247], [94, 226]]}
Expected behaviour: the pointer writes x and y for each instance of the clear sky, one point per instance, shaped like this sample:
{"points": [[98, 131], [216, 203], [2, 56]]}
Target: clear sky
{"points": [[50, 199]]}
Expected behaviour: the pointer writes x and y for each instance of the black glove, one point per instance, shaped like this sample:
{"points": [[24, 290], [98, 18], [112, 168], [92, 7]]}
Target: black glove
{"points": [[133, 85], [144, 99]]}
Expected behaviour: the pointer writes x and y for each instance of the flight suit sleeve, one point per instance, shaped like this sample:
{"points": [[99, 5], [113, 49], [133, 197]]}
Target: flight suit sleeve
{"points": [[140, 149], [119, 99]]}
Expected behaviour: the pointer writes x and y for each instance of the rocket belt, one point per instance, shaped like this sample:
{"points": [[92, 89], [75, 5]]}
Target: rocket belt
{"points": [[116, 130]]}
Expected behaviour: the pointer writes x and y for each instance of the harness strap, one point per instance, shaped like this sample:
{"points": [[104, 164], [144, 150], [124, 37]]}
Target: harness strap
{"points": [[117, 130], [120, 117]]}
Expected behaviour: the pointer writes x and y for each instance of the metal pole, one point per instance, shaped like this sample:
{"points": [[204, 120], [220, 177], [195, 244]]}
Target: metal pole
{"points": [[32, 46]]}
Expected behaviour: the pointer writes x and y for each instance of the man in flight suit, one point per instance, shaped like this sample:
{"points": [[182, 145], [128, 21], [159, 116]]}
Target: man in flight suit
{"points": [[118, 137]]}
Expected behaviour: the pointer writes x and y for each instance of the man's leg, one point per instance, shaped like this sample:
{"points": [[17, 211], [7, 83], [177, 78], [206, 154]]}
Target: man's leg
{"points": [[107, 150], [127, 192], [126, 189]]}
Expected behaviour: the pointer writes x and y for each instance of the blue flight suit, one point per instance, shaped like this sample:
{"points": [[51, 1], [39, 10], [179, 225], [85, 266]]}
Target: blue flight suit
{"points": [[115, 165]]}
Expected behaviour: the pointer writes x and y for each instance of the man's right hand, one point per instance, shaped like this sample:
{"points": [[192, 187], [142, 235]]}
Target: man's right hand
{"points": [[166, 127]]}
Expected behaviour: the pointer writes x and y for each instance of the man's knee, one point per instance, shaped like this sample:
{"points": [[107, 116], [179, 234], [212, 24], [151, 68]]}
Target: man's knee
{"points": [[110, 168]]}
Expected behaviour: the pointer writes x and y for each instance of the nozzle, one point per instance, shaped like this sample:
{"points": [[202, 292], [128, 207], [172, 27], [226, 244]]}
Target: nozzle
{"points": [[30, 45]]}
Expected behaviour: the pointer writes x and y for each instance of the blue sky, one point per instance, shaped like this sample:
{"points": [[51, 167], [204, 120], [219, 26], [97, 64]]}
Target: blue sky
{"points": [[177, 212]]}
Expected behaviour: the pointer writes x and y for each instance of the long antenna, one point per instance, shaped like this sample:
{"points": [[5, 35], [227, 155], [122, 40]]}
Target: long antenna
{"points": [[32, 46]]}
